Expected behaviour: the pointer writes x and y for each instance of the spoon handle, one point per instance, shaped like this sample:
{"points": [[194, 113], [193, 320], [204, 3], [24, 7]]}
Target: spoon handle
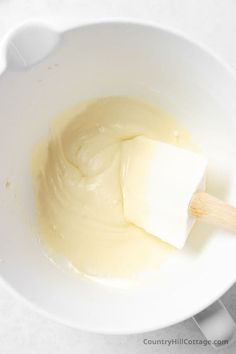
{"points": [[211, 210]]}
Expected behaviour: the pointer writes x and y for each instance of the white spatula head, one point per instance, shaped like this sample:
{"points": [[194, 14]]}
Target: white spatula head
{"points": [[158, 181]]}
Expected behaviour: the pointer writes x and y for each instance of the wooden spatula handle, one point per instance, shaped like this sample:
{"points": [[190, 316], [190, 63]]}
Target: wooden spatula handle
{"points": [[213, 211]]}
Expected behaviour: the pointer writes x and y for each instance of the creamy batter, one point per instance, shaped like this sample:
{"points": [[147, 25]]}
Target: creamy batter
{"points": [[78, 187]]}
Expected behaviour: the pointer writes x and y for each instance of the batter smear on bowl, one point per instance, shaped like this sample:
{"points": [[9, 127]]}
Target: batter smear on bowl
{"points": [[76, 175]]}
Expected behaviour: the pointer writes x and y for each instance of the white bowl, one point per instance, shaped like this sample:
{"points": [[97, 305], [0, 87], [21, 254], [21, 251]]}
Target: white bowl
{"points": [[45, 71]]}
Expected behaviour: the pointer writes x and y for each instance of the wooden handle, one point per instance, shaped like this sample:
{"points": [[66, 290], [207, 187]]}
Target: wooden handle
{"points": [[213, 211]]}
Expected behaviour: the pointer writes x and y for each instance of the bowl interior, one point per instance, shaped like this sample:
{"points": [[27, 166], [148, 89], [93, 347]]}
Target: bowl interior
{"points": [[117, 59]]}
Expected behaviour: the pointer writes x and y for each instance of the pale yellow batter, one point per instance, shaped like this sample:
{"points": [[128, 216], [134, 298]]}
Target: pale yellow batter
{"points": [[78, 187]]}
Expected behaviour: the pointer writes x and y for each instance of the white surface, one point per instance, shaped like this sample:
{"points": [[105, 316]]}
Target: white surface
{"points": [[211, 22]]}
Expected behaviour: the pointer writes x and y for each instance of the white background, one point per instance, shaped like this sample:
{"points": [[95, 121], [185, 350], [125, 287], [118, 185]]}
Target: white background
{"points": [[212, 22]]}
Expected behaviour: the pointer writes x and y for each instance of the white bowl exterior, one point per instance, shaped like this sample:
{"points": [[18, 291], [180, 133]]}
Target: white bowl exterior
{"points": [[117, 58]]}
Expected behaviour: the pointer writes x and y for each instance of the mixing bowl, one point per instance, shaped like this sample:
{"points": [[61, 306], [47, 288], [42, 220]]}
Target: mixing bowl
{"points": [[46, 70]]}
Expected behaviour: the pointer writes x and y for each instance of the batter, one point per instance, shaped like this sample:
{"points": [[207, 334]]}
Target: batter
{"points": [[78, 188]]}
